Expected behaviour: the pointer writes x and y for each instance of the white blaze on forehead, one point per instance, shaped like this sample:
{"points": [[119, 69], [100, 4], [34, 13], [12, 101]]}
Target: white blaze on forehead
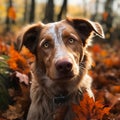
{"points": [[57, 38], [56, 32], [52, 30]]}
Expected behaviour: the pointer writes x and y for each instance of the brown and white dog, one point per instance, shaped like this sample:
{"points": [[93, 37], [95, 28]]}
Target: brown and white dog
{"points": [[60, 71]]}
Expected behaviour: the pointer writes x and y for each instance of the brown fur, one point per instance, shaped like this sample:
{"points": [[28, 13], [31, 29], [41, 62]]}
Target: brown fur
{"points": [[63, 42]]}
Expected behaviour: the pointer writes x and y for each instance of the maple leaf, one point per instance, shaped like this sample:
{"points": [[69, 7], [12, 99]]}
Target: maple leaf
{"points": [[88, 109]]}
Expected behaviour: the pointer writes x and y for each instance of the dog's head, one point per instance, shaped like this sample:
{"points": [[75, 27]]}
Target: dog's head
{"points": [[60, 47]]}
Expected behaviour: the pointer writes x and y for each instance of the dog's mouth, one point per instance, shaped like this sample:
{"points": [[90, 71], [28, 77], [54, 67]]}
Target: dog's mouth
{"points": [[64, 77]]}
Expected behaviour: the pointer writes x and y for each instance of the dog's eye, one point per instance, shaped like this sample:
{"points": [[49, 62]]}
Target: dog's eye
{"points": [[46, 44], [71, 40]]}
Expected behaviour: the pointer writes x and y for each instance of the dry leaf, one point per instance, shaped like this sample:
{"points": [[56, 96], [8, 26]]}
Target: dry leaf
{"points": [[88, 109], [111, 98], [13, 112], [17, 62], [22, 78]]}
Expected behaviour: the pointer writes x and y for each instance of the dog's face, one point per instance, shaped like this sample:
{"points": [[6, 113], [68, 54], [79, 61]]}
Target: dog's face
{"points": [[59, 47]]}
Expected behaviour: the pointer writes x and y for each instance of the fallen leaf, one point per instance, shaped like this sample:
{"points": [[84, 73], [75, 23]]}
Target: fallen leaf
{"points": [[88, 109], [111, 98], [13, 112], [17, 62], [22, 78]]}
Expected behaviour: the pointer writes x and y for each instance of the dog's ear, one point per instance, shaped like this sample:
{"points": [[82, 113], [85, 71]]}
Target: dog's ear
{"points": [[85, 27], [29, 37]]}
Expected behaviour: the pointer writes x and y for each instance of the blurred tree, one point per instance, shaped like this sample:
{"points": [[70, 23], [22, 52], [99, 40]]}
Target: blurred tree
{"points": [[25, 10], [107, 18], [7, 17], [63, 10], [108, 5], [96, 10], [32, 11], [11, 15], [84, 8], [49, 12]]}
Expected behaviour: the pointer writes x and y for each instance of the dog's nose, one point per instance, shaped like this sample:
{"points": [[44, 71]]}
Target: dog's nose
{"points": [[63, 66]]}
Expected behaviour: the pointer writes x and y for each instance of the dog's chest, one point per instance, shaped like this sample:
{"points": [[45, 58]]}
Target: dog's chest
{"points": [[62, 106]]}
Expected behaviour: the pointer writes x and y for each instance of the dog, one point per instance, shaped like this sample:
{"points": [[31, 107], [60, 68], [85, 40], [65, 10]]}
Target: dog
{"points": [[60, 70]]}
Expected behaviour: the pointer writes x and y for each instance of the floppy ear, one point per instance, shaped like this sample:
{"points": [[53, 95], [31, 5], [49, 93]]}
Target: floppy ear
{"points": [[29, 37], [85, 27]]}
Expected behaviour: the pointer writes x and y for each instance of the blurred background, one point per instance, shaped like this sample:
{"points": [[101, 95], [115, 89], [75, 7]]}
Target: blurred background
{"points": [[16, 13], [15, 78]]}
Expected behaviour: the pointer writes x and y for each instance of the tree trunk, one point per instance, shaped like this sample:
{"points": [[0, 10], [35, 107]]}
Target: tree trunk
{"points": [[96, 7], [96, 10], [7, 21], [32, 11], [25, 10], [107, 19], [108, 5], [49, 12], [63, 10]]}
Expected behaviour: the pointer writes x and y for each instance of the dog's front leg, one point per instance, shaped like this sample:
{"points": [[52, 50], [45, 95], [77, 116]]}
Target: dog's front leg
{"points": [[33, 113], [86, 84]]}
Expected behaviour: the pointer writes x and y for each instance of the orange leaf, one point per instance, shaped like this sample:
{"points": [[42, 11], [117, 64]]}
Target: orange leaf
{"points": [[103, 53], [3, 48], [18, 62], [105, 15], [89, 109], [96, 48], [108, 62], [115, 89], [12, 13]]}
